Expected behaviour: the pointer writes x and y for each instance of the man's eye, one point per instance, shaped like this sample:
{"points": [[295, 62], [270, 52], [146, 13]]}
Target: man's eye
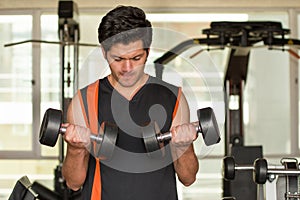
{"points": [[118, 59], [136, 58]]}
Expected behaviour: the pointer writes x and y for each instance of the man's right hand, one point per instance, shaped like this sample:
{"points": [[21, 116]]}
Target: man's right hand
{"points": [[77, 136]]}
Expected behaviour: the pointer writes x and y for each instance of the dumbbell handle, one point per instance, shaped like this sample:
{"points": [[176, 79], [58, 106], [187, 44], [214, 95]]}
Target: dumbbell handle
{"points": [[168, 135], [96, 138], [243, 167]]}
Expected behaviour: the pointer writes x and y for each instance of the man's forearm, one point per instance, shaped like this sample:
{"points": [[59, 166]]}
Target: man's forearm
{"points": [[186, 165], [75, 167]]}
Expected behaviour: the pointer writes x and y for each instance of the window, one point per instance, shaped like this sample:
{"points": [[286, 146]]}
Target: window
{"points": [[16, 84]]}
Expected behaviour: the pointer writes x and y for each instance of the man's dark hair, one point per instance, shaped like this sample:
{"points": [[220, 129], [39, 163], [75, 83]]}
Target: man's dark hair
{"points": [[124, 24]]}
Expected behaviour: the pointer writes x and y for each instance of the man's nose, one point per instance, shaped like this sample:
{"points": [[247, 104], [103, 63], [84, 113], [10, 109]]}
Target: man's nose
{"points": [[127, 65]]}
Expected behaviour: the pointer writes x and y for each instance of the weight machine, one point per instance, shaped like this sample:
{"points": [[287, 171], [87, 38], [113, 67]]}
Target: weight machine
{"points": [[239, 37]]}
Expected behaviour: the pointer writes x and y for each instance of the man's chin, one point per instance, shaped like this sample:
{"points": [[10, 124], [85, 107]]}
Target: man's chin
{"points": [[126, 83]]}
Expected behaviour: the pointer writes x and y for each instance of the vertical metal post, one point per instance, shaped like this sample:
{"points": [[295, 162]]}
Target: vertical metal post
{"points": [[62, 90], [294, 88], [36, 83], [59, 184], [76, 56], [227, 119], [241, 109]]}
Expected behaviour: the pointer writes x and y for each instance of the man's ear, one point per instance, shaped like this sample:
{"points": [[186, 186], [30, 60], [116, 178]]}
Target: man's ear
{"points": [[104, 52]]}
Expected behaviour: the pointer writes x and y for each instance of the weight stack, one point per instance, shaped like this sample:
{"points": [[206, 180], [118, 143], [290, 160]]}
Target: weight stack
{"points": [[243, 186]]}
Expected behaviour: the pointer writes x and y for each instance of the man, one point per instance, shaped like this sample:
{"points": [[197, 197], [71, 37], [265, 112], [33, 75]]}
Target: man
{"points": [[130, 98]]}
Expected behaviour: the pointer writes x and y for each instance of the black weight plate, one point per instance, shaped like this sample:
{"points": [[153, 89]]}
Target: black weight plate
{"points": [[260, 172], [228, 168], [149, 137], [209, 126], [109, 133], [50, 127]]}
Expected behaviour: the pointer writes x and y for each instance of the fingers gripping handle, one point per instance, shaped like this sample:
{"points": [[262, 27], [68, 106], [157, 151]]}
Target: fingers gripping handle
{"points": [[207, 125], [168, 135], [97, 138], [52, 126]]}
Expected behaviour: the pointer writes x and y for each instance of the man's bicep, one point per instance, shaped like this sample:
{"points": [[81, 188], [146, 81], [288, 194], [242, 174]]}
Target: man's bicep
{"points": [[183, 112], [75, 114]]}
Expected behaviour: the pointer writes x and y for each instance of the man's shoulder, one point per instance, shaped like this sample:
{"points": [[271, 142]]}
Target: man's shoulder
{"points": [[94, 83]]}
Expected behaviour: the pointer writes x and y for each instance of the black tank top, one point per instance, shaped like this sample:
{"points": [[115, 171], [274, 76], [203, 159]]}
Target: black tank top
{"points": [[131, 174]]}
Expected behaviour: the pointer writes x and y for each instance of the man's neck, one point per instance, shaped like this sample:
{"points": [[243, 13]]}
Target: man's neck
{"points": [[128, 92]]}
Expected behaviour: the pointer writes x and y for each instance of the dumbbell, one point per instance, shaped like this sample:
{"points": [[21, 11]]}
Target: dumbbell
{"points": [[52, 126], [260, 168], [229, 168], [207, 125]]}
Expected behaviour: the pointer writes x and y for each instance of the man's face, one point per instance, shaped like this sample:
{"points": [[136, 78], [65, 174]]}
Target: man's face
{"points": [[127, 62]]}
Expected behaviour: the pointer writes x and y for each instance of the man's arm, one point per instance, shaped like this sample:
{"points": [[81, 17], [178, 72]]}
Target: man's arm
{"points": [[183, 134], [75, 165]]}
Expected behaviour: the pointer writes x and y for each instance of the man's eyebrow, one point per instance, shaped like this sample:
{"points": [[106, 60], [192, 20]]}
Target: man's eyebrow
{"points": [[121, 56]]}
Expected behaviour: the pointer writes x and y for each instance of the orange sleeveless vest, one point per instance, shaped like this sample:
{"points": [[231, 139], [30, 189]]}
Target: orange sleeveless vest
{"points": [[89, 106]]}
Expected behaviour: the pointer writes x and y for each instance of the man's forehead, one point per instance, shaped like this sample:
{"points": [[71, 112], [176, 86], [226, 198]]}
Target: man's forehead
{"points": [[135, 47]]}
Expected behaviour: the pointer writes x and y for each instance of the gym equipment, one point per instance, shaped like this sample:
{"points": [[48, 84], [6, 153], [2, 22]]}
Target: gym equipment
{"points": [[261, 170], [52, 126], [23, 190], [286, 176], [241, 185], [44, 192], [239, 37], [207, 125], [229, 168]]}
